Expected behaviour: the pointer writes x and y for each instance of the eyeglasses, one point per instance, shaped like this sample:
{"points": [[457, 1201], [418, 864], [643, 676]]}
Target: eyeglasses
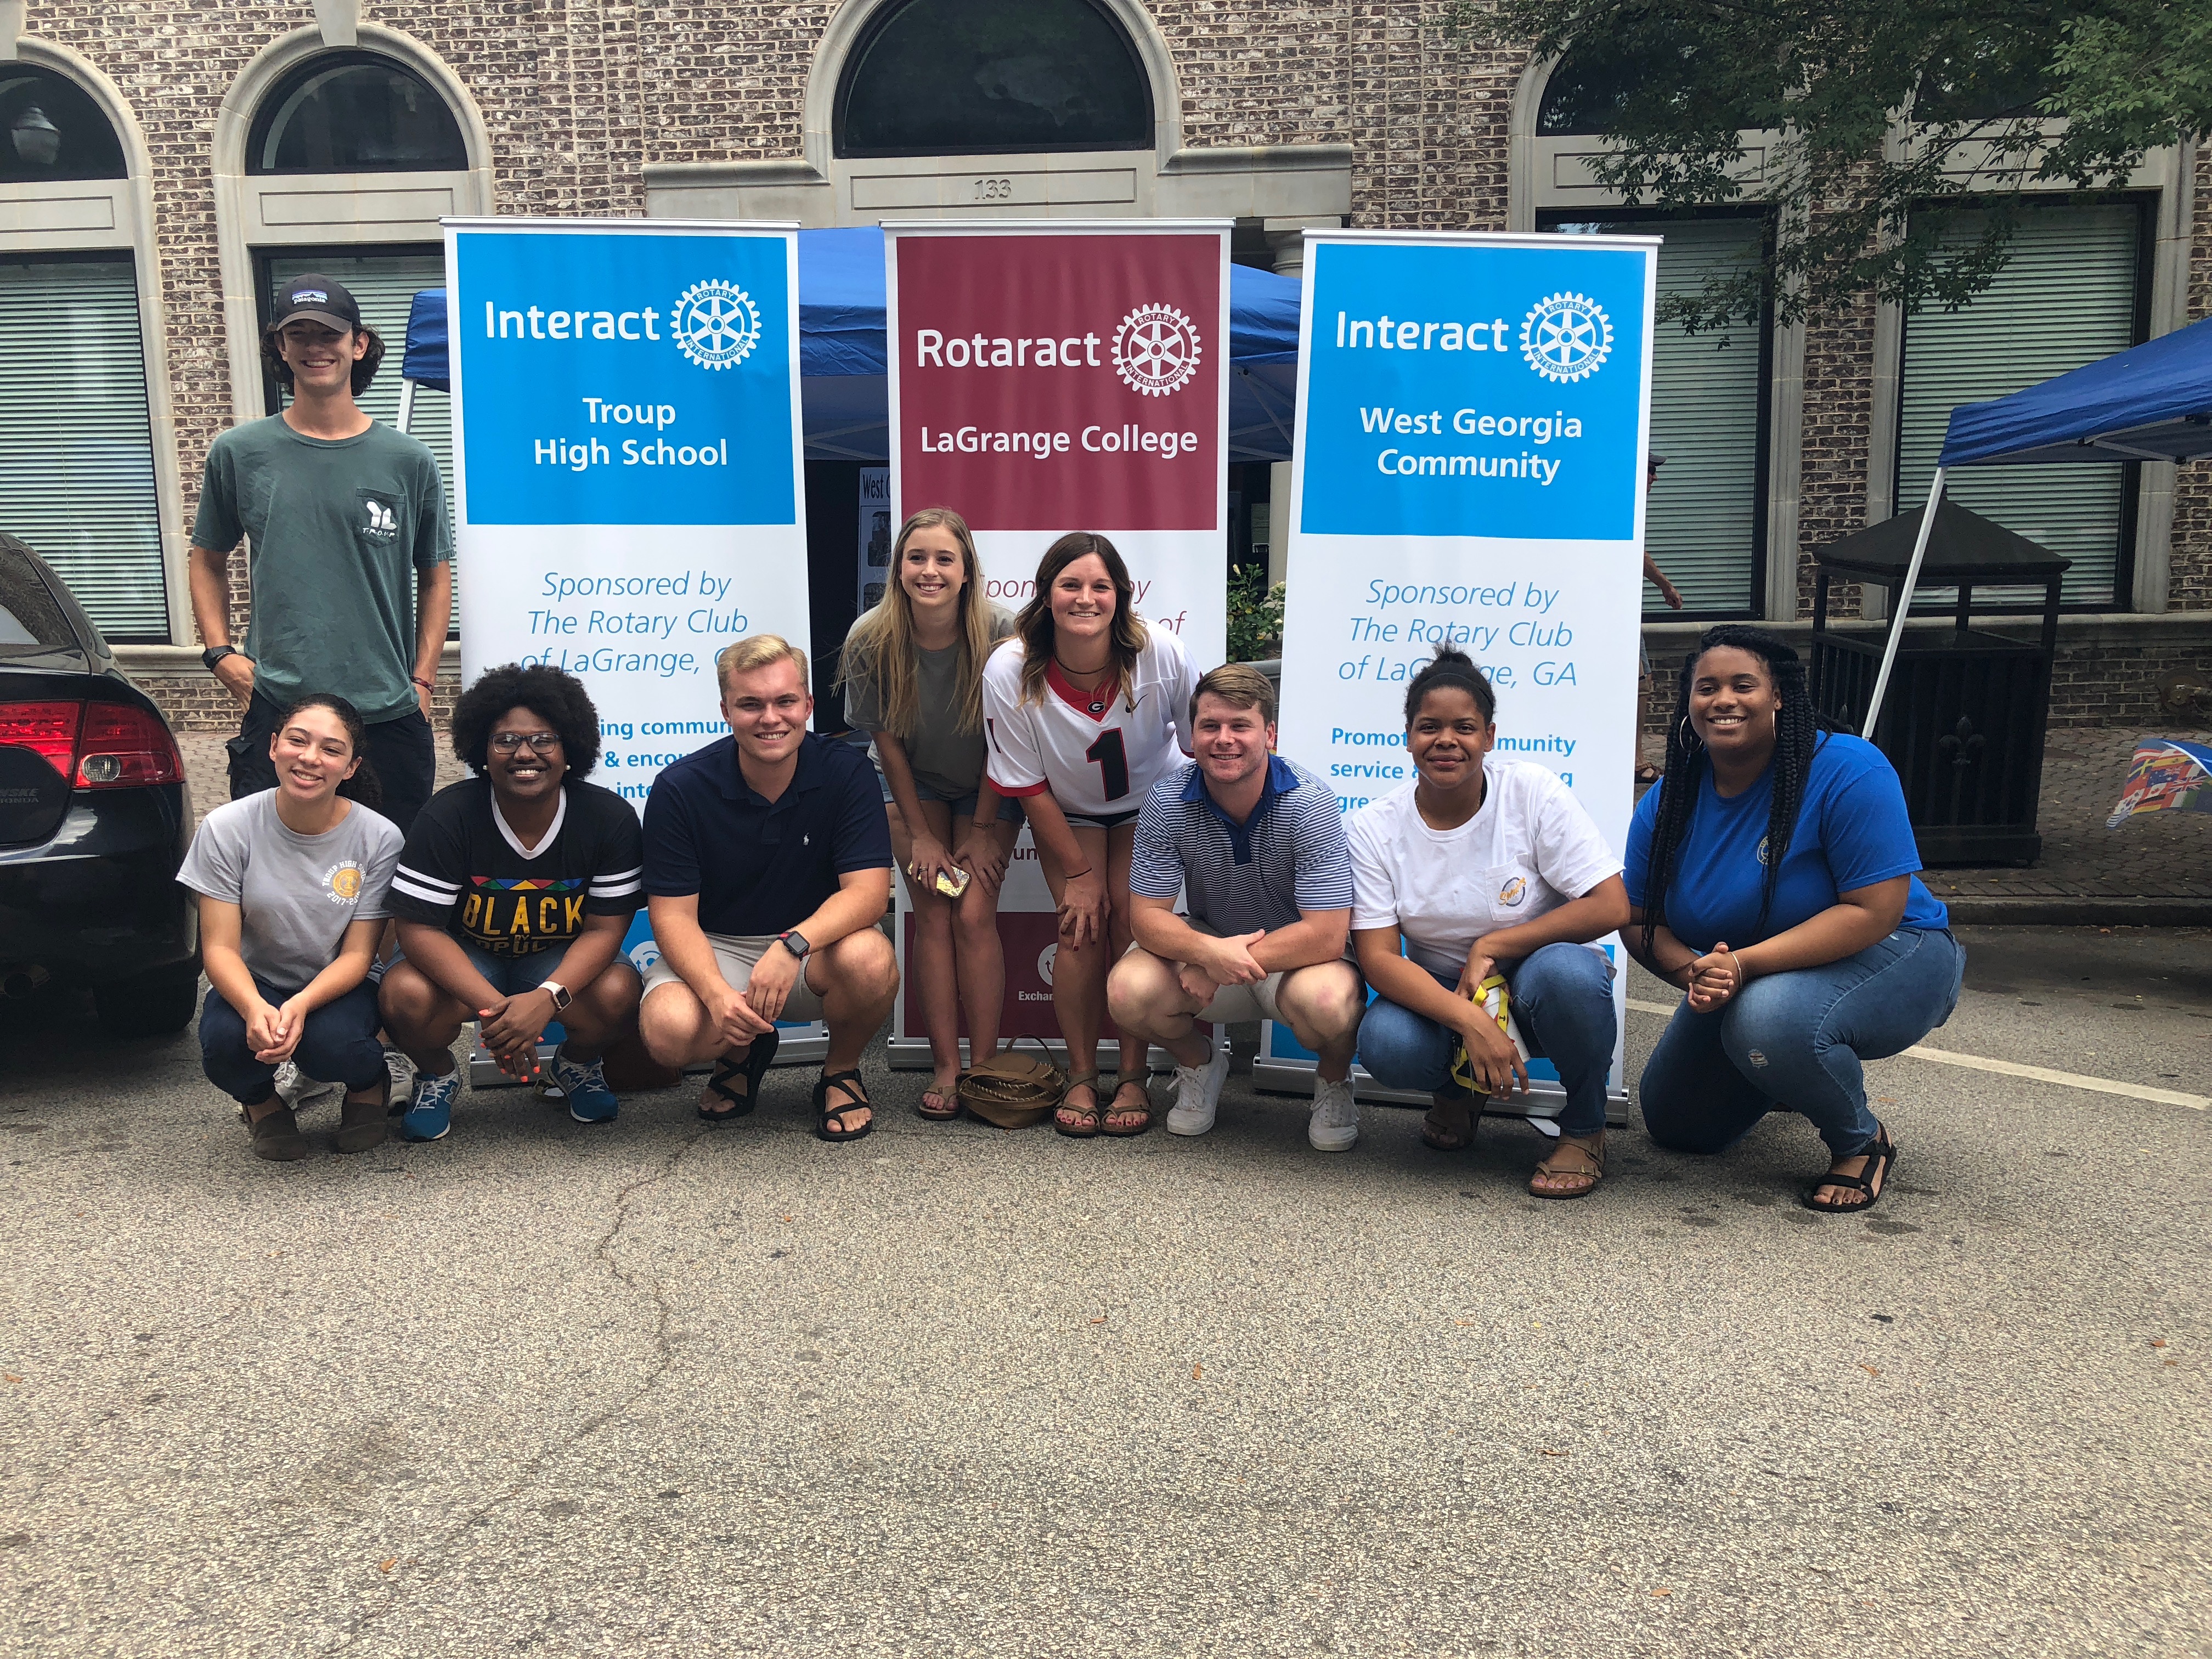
{"points": [[508, 741]]}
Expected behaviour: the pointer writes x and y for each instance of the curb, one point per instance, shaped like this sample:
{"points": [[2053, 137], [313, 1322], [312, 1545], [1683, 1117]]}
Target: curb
{"points": [[2060, 911]]}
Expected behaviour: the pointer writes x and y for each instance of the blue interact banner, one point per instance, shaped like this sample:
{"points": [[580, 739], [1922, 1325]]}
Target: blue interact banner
{"points": [[1451, 392], [625, 377], [1468, 471], [627, 493]]}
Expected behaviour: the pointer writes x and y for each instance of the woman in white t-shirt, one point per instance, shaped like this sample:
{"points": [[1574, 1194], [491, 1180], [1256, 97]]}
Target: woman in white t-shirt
{"points": [[1085, 709], [295, 885], [1482, 867]]}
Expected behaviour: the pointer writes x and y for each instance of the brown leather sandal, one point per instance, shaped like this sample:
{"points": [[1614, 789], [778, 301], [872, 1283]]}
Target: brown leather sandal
{"points": [[1587, 1152], [1085, 1120], [947, 1097], [1441, 1135], [1115, 1107]]}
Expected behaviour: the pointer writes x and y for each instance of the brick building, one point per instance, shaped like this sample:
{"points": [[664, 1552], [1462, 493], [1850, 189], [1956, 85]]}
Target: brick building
{"points": [[163, 168]]}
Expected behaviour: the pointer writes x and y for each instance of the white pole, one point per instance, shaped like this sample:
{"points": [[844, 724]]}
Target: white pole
{"points": [[406, 403], [1903, 603]]}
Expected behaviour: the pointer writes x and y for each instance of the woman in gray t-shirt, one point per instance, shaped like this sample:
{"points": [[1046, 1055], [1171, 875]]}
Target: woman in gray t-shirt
{"points": [[912, 673], [293, 884]]}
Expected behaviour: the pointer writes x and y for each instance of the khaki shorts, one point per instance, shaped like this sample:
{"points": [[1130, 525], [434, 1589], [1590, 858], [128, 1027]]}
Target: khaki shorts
{"points": [[1235, 1005], [737, 955]]}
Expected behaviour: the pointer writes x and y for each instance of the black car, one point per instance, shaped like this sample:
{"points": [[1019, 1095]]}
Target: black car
{"points": [[94, 817]]}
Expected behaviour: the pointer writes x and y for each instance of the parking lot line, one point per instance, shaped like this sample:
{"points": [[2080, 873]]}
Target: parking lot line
{"points": [[2102, 1085]]}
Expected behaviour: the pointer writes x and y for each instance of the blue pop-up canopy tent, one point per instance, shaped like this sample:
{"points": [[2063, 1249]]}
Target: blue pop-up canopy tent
{"points": [[2153, 403], [844, 391]]}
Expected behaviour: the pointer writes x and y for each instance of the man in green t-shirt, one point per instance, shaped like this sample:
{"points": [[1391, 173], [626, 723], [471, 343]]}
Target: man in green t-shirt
{"points": [[349, 562]]}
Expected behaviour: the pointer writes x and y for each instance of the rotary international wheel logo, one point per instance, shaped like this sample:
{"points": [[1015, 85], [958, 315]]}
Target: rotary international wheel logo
{"points": [[716, 324], [1566, 337], [1157, 350]]}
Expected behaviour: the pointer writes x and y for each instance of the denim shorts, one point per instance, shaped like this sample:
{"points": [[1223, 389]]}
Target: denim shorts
{"points": [[963, 806], [512, 975]]}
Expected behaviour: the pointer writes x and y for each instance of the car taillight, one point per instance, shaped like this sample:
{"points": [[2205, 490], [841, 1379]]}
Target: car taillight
{"points": [[95, 745], [48, 730], [123, 746]]}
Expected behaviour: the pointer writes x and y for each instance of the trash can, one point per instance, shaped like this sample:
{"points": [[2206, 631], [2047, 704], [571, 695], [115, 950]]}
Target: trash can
{"points": [[1963, 720]]}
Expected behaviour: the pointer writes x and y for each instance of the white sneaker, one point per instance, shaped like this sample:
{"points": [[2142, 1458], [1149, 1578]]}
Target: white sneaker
{"points": [[295, 1088], [1334, 1126], [1197, 1093], [402, 1071]]}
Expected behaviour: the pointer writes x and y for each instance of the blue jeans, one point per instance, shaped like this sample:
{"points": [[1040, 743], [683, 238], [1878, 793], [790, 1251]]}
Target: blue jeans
{"points": [[1798, 1038], [1562, 999], [339, 1044]]}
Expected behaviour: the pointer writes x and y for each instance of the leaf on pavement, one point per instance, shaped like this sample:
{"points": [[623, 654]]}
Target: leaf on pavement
{"points": [[10, 1376], [1197, 1371], [1101, 1320], [1870, 1370], [1663, 1592], [386, 1567], [2159, 1343]]}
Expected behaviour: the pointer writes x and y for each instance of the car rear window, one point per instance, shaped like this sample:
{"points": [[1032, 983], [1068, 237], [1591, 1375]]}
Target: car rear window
{"points": [[30, 620]]}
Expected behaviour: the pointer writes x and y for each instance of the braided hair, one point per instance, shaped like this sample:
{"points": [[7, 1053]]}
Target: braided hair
{"points": [[1797, 728]]}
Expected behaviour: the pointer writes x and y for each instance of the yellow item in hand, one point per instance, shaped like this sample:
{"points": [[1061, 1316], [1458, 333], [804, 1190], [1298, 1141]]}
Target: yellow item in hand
{"points": [[1497, 1001]]}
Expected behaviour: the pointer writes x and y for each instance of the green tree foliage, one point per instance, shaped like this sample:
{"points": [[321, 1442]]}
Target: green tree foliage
{"points": [[1256, 616], [1994, 95]]}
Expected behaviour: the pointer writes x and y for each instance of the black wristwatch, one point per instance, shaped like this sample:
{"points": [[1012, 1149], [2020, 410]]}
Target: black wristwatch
{"points": [[215, 653], [795, 942]]}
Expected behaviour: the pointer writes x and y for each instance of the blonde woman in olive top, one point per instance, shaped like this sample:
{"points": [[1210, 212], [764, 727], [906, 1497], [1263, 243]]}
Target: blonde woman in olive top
{"points": [[912, 673]]}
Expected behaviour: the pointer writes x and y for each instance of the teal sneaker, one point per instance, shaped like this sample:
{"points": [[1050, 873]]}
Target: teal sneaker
{"points": [[585, 1089], [431, 1116]]}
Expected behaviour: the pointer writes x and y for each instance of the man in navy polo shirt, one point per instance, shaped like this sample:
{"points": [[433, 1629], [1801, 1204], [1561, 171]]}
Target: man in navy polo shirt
{"points": [[767, 863], [1257, 845]]}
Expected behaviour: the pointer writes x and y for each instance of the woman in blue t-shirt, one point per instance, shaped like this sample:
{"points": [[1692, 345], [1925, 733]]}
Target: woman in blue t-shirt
{"points": [[1770, 876]]}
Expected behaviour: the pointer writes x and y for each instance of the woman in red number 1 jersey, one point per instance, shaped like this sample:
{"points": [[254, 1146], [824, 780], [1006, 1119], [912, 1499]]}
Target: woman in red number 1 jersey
{"points": [[1086, 709]]}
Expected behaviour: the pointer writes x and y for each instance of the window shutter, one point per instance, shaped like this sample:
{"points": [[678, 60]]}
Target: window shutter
{"points": [[77, 446], [2066, 297], [1706, 520]]}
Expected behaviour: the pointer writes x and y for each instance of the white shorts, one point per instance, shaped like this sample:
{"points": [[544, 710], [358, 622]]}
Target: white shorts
{"points": [[737, 955]]}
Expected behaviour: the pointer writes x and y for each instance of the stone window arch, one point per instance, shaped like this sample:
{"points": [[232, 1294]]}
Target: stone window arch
{"points": [[1089, 125], [353, 111], [1724, 510], [88, 442], [1037, 75]]}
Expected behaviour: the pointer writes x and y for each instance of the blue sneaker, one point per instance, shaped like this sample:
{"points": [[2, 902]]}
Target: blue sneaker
{"points": [[431, 1116], [584, 1088]]}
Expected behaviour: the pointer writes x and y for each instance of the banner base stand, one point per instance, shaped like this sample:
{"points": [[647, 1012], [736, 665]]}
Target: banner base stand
{"points": [[800, 1045], [912, 1054], [1544, 1101]]}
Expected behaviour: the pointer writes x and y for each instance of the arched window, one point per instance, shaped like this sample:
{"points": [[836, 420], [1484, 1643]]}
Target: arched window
{"points": [[1582, 95], [964, 78], [50, 128], [1988, 86], [353, 111]]}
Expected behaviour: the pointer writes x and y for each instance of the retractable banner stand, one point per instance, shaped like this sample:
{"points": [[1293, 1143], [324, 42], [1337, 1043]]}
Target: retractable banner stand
{"points": [[1057, 375], [628, 497], [1473, 416]]}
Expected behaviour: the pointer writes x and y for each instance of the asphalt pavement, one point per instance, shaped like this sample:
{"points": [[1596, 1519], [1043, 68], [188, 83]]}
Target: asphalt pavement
{"points": [[656, 1388]]}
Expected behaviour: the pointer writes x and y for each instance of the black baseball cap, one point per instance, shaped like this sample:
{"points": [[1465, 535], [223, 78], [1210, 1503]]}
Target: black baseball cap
{"points": [[318, 299]]}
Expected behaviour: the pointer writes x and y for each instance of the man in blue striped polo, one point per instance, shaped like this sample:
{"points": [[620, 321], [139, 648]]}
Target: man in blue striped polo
{"points": [[1257, 844]]}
